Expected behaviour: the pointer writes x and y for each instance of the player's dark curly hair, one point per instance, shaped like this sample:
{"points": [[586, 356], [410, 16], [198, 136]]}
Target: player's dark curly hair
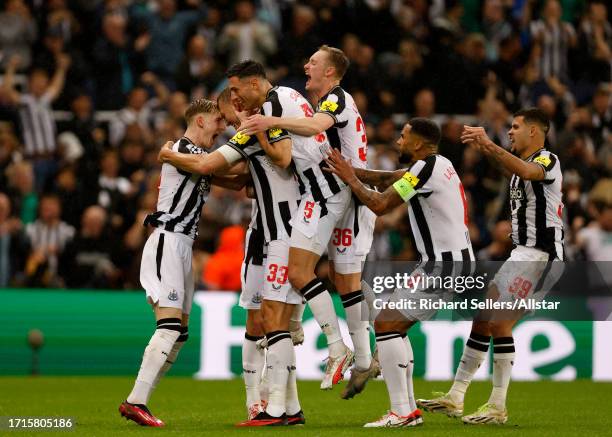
{"points": [[246, 68], [534, 115], [426, 129]]}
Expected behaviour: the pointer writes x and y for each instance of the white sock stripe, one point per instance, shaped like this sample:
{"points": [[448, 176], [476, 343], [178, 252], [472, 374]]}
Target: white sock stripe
{"points": [[311, 288], [484, 343]]}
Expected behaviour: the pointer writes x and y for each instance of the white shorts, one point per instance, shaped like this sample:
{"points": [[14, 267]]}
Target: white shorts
{"points": [[526, 272], [165, 270], [352, 238], [251, 273], [275, 274], [312, 230]]}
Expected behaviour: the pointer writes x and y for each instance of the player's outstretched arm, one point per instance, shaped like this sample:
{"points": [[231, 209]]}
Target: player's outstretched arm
{"points": [[304, 126], [193, 163], [379, 203], [381, 179], [525, 170]]}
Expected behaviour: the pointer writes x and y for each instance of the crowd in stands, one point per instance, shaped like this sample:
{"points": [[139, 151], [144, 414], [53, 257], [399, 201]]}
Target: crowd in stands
{"points": [[92, 88]]}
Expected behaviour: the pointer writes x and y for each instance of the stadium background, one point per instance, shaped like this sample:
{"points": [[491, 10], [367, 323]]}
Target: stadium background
{"points": [[71, 208]]}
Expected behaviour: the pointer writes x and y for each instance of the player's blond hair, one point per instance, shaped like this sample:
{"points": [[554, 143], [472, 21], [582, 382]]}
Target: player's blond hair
{"points": [[200, 106], [337, 59]]}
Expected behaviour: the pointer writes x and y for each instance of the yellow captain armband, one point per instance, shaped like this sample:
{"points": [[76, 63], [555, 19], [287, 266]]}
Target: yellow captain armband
{"points": [[405, 186]]}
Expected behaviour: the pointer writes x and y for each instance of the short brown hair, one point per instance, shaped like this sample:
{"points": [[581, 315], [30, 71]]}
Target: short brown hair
{"points": [[200, 106], [337, 59], [225, 96], [536, 116]]}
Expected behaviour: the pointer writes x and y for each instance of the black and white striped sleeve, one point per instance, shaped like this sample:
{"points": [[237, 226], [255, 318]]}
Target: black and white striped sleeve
{"points": [[274, 108], [240, 142], [421, 172], [334, 105], [547, 161]]}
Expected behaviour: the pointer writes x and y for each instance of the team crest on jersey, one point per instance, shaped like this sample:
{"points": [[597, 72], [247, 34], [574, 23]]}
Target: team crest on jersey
{"points": [[275, 133], [412, 179], [328, 105], [204, 185], [240, 138], [256, 298], [516, 194], [544, 160], [173, 296]]}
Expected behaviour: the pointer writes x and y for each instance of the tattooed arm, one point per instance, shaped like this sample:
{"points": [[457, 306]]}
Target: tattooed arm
{"points": [[379, 203], [379, 178]]}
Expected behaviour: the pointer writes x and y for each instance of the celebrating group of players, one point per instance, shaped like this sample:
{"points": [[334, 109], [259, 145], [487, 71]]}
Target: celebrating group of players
{"points": [[312, 191]]}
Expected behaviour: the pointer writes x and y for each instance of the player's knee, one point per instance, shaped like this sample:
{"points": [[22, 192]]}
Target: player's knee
{"points": [[297, 276], [501, 328], [481, 327], [255, 325]]}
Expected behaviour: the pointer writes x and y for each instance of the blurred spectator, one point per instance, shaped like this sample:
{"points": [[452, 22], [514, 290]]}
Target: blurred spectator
{"points": [[25, 198], [595, 45], [601, 113], [114, 57], [78, 76], [424, 103], [114, 191], [246, 37], [166, 32], [92, 259], [298, 44], [38, 124], [198, 72], [48, 237], [552, 39], [13, 244], [138, 110], [222, 270], [74, 193], [495, 28], [9, 150], [17, 33]]}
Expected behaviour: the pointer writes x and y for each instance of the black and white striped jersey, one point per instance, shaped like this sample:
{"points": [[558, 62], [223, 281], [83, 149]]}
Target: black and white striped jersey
{"points": [[308, 152], [37, 124], [276, 189], [438, 211], [536, 207], [347, 134], [181, 195]]}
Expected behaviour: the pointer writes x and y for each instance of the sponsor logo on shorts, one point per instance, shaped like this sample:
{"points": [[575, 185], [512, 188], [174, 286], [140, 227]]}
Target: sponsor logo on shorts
{"points": [[516, 194], [276, 287], [341, 251], [173, 296], [256, 298]]}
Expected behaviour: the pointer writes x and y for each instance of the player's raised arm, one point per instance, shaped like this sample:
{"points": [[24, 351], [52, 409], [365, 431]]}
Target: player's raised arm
{"points": [[525, 170], [379, 203]]}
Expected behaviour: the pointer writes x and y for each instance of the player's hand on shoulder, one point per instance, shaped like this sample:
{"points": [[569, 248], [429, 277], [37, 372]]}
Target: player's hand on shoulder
{"points": [[255, 123], [339, 166], [165, 150]]}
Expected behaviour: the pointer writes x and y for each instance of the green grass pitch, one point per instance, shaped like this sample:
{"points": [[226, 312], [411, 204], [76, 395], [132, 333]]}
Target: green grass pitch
{"points": [[213, 407]]}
